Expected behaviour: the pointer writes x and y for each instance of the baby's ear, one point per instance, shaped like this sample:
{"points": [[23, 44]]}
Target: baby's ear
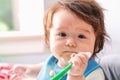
{"points": [[89, 54]]}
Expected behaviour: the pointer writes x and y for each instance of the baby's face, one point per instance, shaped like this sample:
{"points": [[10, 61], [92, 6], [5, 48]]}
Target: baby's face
{"points": [[70, 34]]}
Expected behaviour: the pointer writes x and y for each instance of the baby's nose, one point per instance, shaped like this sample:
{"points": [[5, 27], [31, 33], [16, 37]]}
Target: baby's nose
{"points": [[71, 42]]}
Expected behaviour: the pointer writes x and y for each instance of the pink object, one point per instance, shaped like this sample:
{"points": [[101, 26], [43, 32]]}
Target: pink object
{"points": [[5, 72]]}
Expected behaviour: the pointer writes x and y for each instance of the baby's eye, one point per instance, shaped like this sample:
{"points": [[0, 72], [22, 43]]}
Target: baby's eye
{"points": [[62, 34], [81, 36]]}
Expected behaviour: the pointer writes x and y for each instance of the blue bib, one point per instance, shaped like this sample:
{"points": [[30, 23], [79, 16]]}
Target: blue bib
{"points": [[51, 65]]}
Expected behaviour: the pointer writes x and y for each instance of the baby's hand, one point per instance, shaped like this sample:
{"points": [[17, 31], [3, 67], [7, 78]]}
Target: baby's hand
{"points": [[79, 62], [17, 72]]}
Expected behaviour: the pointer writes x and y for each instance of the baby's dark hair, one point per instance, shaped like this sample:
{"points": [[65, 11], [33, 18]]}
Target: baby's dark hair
{"points": [[88, 10]]}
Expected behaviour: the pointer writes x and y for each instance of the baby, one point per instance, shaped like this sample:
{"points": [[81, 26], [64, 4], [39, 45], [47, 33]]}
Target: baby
{"points": [[74, 33]]}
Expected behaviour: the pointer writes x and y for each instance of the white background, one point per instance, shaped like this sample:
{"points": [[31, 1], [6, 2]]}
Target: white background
{"points": [[112, 23]]}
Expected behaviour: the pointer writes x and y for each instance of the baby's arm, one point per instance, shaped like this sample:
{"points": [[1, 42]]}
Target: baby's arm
{"points": [[33, 69], [79, 62]]}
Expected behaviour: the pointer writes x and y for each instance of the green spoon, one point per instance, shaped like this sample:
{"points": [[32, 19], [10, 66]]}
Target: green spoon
{"points": [[62, 73]]}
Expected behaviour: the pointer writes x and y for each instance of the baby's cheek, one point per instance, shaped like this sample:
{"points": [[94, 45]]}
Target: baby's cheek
{"points": [[66, 56]]}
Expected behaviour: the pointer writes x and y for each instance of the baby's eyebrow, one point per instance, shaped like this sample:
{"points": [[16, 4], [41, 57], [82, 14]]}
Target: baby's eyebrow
{"points": [[85, 31]]}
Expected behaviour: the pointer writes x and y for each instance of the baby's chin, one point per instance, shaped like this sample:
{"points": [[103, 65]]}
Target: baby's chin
{"points": [[66, 56], [62, 63], [64, 59]]}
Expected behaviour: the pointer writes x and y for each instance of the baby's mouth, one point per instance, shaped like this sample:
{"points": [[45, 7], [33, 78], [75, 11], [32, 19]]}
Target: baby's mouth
{"points": [[67, 54], [70, 52], [65, 57]]}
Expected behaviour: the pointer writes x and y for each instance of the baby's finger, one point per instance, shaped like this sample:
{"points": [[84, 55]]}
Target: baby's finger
{"points": [[86, 54], [82, 58], [89, 54]]}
